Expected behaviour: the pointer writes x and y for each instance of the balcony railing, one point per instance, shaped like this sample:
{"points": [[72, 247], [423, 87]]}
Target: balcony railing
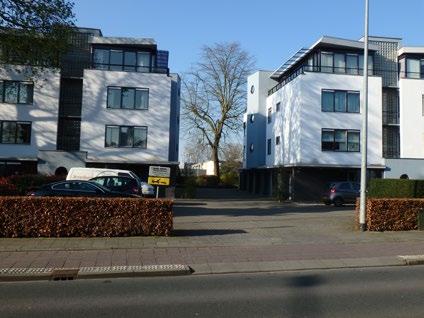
{"points": [[390, 118], [130, 68]]}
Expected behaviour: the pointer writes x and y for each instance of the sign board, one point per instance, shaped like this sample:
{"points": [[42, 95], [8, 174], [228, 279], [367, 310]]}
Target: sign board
{"points": [[156, 171], [158, 181]]}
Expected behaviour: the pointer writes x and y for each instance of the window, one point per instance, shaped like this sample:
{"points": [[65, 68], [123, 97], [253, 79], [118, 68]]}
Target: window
{"points": [[143, 62], [413, 68], [269, 147], [252, 118], [422, 102], [340, 140], [353, 102], [126, 136], [353, 141], [339, 63], [14, 92], [15, 132], [251, 148], [340, 101], [122, 60], [370, 64], [277, 140], [128, 98], [327, 101], [352, 64], [326, 62], [278, 107], [269, 115]]}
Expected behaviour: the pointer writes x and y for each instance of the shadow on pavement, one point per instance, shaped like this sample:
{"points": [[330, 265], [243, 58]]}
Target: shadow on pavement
{"points": [[238, 211], [206, 232]]}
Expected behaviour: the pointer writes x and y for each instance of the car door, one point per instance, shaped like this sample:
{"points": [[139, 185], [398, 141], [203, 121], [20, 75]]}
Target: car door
{"points": [[85, 189], [63, 189], [345, 191]]}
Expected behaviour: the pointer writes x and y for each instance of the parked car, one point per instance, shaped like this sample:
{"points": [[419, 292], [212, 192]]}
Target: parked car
{"points": [[90, 173], [77, 188], [120, 184], [339, 193]]}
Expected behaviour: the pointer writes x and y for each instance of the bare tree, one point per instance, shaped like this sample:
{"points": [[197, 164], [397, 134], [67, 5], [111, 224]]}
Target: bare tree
{"points": [[214, 97]]}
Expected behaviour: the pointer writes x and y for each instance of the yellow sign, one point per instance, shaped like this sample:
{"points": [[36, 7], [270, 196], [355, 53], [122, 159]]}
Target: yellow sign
{"points": [[159, 181]]}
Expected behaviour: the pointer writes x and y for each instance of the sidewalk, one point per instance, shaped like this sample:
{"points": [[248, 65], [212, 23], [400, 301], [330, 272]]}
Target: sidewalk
{"points": [[229, 235]]}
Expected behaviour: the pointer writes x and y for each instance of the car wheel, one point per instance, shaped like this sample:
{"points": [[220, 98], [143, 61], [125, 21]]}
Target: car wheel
{"points": [[338, 202]]}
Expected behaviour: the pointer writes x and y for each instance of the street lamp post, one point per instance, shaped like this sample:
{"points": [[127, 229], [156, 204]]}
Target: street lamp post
{"points": [[364, 132]]}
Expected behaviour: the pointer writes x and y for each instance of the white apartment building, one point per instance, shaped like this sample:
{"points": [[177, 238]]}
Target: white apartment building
{"points": [[113, 103], [302, 127]]}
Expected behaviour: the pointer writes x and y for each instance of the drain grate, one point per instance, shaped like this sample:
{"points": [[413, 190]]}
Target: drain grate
{"points": [[64, 274]]}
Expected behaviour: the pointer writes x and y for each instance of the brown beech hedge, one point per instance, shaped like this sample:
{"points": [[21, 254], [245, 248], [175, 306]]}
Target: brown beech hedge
{"points": [[75, 217], [392, 214]]}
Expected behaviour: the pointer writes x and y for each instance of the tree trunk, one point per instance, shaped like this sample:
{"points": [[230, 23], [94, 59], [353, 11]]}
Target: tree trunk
{"points": [[215, 160]]}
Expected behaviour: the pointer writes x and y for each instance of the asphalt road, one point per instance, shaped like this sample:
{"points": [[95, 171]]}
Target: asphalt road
{"points": [[371, 292]]}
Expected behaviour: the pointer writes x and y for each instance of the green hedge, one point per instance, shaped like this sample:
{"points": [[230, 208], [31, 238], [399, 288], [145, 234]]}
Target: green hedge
{"points": [[396, 188]]}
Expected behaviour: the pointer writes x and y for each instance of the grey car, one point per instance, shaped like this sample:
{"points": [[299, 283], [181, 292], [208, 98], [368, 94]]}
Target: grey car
{"points": [[339, 193]]}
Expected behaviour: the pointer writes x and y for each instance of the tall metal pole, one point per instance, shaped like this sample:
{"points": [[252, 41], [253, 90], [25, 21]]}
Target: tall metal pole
{"points": [[364, 131]]}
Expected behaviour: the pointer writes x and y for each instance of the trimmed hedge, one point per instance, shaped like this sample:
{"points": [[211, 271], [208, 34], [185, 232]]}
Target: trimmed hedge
{"points": [[396, 188], [392, 214], [22, 184], [79, 217]]}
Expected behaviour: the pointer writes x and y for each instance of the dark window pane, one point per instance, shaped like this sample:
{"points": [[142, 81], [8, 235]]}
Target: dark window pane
{"points": [[344, 186], [25, 93], [62, 186], [116, 57], [327, 142], [8, 135], [353, 141], [140, 137], [125, 137], [101, 66], [143, 62], [278, 107], [1, 91], [269, 146], [130, 58], [353, 102], [23, 135], [340, 101], [115, 67], [11, 92], [328, 101], [339, 63], [277, 140], [269, 115], [327, 62], [112, 136], [113, 97], [340, 140], [128, 97], [101, 56], [352, 64], [142, 99]]}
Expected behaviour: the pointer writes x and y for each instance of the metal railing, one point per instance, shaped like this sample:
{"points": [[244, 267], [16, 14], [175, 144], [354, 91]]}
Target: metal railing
{"points": [[390, 118]]}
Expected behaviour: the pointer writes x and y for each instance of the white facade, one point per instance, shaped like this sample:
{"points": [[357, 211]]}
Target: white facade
{"points": [[95, 116], [411, 102], [301, 119], [204, 168], [42, 113]]}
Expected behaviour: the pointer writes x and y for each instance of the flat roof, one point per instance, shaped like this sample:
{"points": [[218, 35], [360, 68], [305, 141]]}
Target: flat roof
{"points": [[122, 40], [411, 50], [324, 40]]}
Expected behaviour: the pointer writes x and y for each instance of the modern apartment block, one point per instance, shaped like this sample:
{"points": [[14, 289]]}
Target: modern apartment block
{"points": [[113, 103], [302, 127]]}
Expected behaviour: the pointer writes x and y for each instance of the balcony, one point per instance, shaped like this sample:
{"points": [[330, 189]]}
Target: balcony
{"points": [[319, 69]]}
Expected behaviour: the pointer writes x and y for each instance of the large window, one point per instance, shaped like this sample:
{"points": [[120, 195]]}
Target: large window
{"points": [[121, 60], [127, 97], [341, 140], [15, 92], [126, 136], [15, 132], [414, 68], [269, 115], [348, 63], [340, 101]]}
